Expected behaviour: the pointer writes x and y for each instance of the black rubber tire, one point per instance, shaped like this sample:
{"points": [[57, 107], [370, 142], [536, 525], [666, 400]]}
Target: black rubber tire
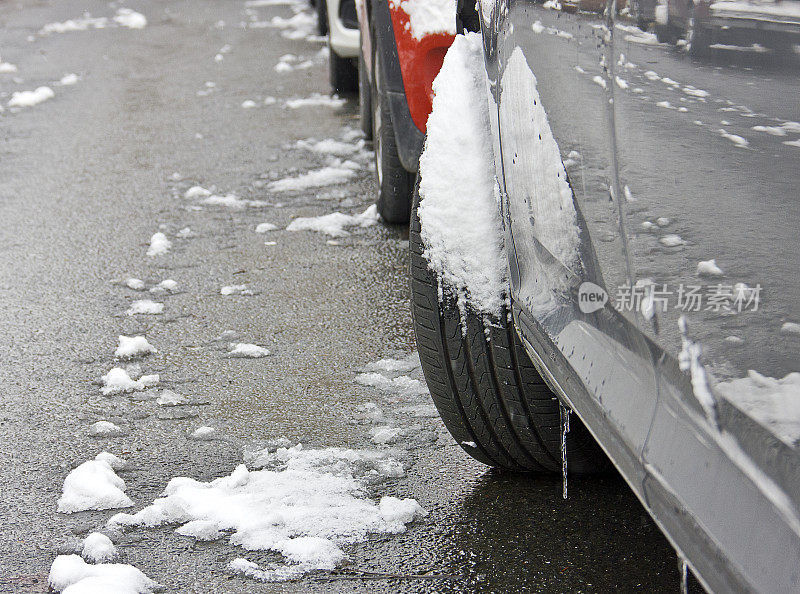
{"points": [[394, 182], [364, 98], [490, 396], [665, 33], [699, 38], [322, 17], [342, 72]]}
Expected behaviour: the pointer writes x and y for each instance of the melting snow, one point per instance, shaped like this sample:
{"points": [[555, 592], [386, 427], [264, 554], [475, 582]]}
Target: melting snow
{"points": [[248, 103], [170, 398], [135, 283], [30, 98], [265, 227], [709, 268], [327, 176], [316, 100], [145, 307], [196, 192], [133, 346], [672, 240], [203, 433], [245, 350], [72, 575], [159, 245], [428, 17], [402, 385], [235, 290], [118, 381], [790, 329], [104, 429], [130, 19], [303, 503], [68, 80], [739, 141], [93, 485], [334, 224], [98, 548]]}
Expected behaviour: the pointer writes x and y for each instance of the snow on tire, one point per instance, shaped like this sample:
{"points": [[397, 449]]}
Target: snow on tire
{"points": [[484, 385]]}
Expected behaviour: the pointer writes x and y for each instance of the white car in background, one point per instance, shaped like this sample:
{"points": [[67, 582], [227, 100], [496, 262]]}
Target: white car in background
{"points": [[338, 19]]}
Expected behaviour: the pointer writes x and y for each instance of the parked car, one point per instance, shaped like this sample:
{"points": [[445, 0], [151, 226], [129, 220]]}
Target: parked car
{"points": [[624, 178], [341, 27], [399, 58], [774, 24]]}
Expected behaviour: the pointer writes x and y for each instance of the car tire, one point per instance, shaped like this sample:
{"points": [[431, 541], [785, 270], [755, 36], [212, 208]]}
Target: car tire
{"points": [[322, 17], [488, 393], [342, 72], [394, 182], [665, 33], [698, 38], [364, 98]]}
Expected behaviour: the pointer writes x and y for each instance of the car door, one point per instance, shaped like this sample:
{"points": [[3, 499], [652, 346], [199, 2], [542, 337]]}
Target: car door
{"points": [[665, 187]]}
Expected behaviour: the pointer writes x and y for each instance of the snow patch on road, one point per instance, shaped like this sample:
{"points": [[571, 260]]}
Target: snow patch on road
{"points": [[302, 503], [93, 485], [72, 575], [98, 548], [316, 100], [159, 245], [334, 224], [104, 429], [117, 381], [327, 176], [243, 350], [145, 307], [133, 346], [31, 98]]}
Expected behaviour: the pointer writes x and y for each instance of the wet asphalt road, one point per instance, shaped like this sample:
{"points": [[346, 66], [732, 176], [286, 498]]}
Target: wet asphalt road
{"points": [[88, 176]]}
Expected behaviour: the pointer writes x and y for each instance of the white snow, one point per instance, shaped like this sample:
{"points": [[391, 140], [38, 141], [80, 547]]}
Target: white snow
{"points": [[165, 285], [662, 221], [672, 240], [385, 434], [133, 346], [458, 209], [428, 17], [93, 485], [739, 141], [621, 83], [265, 227], [599, 80], [300, 26], [88, 22], [330, 146], [334, 224], [126, 17], [145, 307], [316, 100], [775, 403], [135, 283], [248, 104], [204, 433], [245, 350], [664, 104], [170, 398], [30, 98], [68, 80], [642, 38], [650, 75], [403, 385], [235, 290], [777, 10], [771, 130], [303, 503], [7, 67], [232, 201], [792, 142], [98, 548], [72, 575], [104, 428], [404, 365], [690, 90], [790, 329], [117, 381], [709, 268], [159, 245], [196, 192], [326, 176]]}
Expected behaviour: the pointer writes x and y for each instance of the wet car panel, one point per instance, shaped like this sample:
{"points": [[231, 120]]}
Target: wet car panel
{"points": [[680, 204]]}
